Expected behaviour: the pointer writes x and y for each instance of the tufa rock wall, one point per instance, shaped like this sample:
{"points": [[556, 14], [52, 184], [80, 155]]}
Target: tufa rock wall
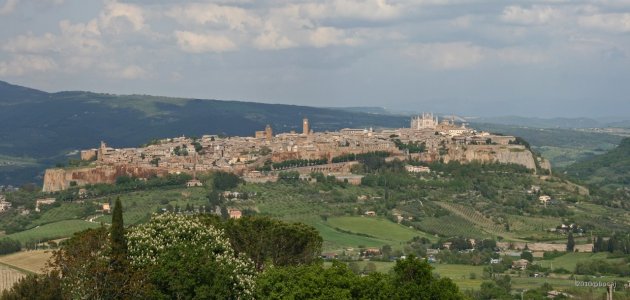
{"points": [[60, 179], [514, 154]]}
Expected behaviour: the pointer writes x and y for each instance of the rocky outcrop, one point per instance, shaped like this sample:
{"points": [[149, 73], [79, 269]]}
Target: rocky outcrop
{"points": [[61, 179], [515, 154]]}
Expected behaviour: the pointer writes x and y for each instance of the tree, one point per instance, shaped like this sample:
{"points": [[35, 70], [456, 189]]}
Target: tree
{"points": [[412, 279], [185, 258], [370, 267], [599, 244], [43, 286], [570, 243], [527, 255], [269, 241], [83, 263], [8, 245], [224, 181], [316, 282], [118, 242]]}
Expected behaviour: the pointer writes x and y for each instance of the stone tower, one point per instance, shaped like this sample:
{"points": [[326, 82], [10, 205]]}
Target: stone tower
{"points": [[268, 132], [101, 151], [305, 127]]}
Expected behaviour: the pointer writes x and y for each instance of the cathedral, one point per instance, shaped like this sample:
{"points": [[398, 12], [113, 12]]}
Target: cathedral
{"points": [[426, 121]]}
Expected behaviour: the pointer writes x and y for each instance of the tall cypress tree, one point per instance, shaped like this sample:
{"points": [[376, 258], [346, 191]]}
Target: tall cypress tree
{"points": [[570, 243], [117, 237]]}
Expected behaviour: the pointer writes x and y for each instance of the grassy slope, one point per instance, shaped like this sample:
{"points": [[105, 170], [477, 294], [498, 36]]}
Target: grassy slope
{"points": [[52, 230], [378, 227]]}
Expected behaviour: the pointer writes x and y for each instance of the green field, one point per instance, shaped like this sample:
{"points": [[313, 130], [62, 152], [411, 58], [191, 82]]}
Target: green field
{"points": [[138, 206], [52, 231], [570, 260], [335, 240], [379, 228], [460, 274]]}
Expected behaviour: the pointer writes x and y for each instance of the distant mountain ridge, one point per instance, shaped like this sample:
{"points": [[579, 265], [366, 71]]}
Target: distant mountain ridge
{"points": [[46, 126]]}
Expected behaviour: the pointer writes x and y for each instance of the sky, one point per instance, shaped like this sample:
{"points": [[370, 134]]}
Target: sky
{"points": [[551, 58]]}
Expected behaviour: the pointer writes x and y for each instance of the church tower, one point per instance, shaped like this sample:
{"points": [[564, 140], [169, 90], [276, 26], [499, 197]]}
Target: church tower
{"points": [[305, 127], [268, 132]]}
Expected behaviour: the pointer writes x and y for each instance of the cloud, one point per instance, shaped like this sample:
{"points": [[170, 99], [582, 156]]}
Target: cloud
{"points": [[25, 64], [462, 55], [8, 7], [329, 36], [234, 18], [272, 40], [132, 72], [455, 55], [118, 16], [530, 16], [374, 10], [200, 43], [614, 22]]}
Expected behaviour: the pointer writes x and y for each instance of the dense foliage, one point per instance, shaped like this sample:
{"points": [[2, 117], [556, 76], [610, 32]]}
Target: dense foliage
{"points": [[188, 259], [411, 279], [9, 246], [124, 184], [608, 175], [272, 242]]}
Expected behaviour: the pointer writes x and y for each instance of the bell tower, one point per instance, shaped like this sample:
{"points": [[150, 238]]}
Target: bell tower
{"points": [[305, 127]]}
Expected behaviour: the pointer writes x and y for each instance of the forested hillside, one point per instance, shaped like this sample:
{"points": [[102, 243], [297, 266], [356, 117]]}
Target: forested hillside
{"points": [[38, 129], [610, 171]]}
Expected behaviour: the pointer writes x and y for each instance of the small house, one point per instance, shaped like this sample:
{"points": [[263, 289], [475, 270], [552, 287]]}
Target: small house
{"points": [[235, 213], [193, 183], [520, 264]]}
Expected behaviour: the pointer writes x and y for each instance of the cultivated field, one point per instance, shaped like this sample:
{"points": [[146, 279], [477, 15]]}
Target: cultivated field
{"points": [[379, 228], [8, 277], [28, 261]]}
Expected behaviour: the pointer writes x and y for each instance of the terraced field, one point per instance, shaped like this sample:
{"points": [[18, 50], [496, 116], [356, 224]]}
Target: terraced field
{"points": [[475, 217]]}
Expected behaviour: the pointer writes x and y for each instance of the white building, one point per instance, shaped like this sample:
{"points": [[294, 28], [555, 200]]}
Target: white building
{"points": [[425, 121]]}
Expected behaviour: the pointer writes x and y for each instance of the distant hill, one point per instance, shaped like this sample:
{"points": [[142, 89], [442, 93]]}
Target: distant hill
{"points": [[541, 122], [46, 126], [609, 171], [365, 109]]}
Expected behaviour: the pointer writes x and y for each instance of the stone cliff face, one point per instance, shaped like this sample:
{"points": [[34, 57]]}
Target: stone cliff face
{"points": [[60, 179], [515, 154]]}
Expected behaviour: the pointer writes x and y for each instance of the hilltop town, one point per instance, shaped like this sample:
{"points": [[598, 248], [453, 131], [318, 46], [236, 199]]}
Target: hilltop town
{"points": [[258, 157]]}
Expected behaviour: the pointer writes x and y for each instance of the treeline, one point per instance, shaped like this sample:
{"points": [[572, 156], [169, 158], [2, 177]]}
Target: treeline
{"points": [[617, 243], [411, 147], [124, 184], [361, 157], [8, 246], [601, 266], [203, 257]]}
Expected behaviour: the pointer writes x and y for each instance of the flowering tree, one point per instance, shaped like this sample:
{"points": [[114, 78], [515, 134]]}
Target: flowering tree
{"points": [[185, 258]]}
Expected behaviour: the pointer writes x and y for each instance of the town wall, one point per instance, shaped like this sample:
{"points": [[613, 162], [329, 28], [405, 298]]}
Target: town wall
{"points": [[60, 179], [514, 154]]}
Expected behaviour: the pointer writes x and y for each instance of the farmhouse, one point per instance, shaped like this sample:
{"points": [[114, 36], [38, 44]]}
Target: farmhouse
{"points": [[193, 183], [4, 205], [417, 169], [235, 213], [370, 213], [520, 264], [44, 201]]}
